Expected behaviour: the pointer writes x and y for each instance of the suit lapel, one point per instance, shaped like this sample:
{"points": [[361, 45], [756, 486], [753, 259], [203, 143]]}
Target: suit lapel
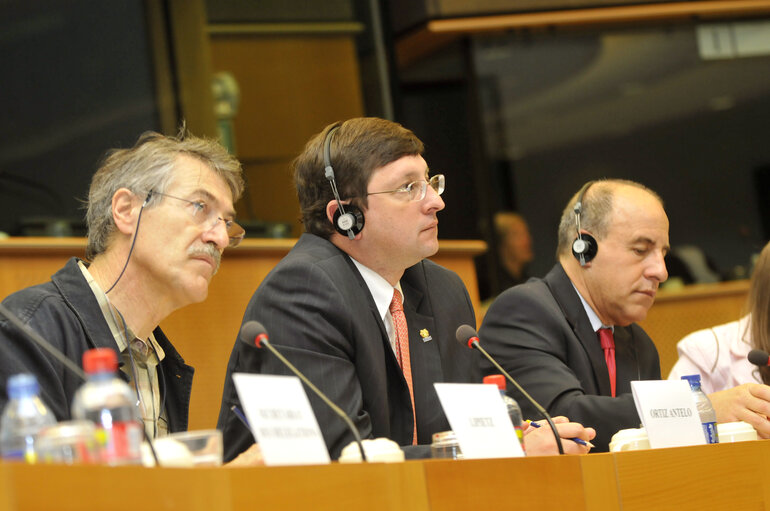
{"points": [[366, 297], [625, 359], [572, 307], [423, 348]]}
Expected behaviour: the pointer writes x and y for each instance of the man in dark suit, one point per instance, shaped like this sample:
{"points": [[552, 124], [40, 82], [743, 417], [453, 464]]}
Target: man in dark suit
{"points": [[545, 332], [355, 305], [571, 339]]}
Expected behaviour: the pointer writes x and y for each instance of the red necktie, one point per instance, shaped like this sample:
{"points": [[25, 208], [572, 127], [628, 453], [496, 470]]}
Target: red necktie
{"points": [[608, 345], [402, 350]]}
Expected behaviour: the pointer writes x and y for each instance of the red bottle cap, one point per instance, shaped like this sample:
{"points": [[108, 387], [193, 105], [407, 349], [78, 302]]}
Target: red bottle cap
{"points": [[496, 379], [100, 360]]}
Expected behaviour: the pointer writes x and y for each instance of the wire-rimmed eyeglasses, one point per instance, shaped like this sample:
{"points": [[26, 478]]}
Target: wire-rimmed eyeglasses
{"points": [[416, 189], [208, 217]]}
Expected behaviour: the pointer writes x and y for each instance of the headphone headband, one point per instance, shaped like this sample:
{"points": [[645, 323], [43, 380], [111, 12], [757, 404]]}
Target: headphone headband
{"points": [[584, 247], [328, 170], [348, 223]]}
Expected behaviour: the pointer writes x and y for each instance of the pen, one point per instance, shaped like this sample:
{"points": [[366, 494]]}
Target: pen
{"points": [[238, 413], [577, 440]]}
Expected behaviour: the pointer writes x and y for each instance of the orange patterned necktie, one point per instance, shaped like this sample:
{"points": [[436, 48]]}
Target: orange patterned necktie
{"points": [[608, 345], [402, 350]]}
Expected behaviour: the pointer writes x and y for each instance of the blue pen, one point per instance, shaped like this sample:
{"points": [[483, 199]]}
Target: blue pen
{"points": [[238, 413], [577, 440]]}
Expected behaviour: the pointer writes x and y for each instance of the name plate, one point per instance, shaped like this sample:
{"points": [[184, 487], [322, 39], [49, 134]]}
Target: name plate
{"points": [[480, 420], [281, 419], [668, 413]]}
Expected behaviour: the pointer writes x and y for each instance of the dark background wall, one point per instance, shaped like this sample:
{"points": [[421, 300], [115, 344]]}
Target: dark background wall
{"points": [[77, 79], [509, 118]]}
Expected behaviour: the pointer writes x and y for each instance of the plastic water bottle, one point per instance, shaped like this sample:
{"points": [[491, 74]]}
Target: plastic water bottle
{"points": [[514, 412], [24, 416], [708, 416], [110, 404]]}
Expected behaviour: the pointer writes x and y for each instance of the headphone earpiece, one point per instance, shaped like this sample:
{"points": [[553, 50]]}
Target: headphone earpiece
{"points": [[347, 221], [585, 247], [352, 220]]}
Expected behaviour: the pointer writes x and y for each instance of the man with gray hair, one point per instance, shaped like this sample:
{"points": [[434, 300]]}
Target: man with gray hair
{"points": [[159, 216]]}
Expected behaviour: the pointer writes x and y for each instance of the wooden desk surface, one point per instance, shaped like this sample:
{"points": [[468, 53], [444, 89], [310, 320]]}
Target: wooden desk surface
{"points": [[722, 476]]}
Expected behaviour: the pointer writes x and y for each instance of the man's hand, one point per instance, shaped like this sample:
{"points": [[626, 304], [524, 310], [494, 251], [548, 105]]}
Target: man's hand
{"points": [[251, 457], [541, 442], [749, 402]]}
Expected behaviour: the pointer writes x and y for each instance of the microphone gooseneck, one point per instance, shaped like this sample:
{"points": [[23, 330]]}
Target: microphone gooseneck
{"points": [[255, 335], [50, 348], [466, 334]]}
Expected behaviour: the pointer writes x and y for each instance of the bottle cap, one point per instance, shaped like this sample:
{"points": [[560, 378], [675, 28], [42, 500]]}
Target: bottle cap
{"points": [[495, 379], [100, 360], [693, 380], [22, 385]]}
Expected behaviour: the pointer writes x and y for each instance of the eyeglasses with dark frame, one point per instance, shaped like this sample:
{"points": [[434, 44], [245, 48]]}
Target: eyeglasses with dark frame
{"points": [[207, 217], [416, 190]]}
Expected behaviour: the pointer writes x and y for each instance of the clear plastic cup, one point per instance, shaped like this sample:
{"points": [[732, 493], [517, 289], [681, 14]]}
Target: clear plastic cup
{"points": [[69, 442], [201, 448]]}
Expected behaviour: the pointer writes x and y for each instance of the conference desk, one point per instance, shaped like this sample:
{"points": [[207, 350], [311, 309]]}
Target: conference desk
{"points": [[723, 476]]}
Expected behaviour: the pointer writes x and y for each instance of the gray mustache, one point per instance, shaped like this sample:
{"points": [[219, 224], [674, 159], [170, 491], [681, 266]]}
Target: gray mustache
{"points": [[206, 250]]}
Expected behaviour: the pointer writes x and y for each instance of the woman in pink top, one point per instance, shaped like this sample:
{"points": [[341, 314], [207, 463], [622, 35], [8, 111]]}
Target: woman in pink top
{"points": [[718, 354]]}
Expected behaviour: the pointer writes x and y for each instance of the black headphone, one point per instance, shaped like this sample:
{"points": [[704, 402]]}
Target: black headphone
{"points": [[584, 247], [348, 223]]}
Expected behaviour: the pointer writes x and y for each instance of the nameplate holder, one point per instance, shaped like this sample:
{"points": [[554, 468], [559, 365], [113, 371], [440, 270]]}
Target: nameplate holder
{"points": [[668, 413], [479, 419], [281, 419]]}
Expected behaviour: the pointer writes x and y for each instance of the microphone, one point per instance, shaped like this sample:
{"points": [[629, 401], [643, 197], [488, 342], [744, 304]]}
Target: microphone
{"points": [[759, 358], [466, 334], [66, 362], [254, 334]]}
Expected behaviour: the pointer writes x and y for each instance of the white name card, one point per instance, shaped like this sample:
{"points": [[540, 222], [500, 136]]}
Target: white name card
{"points": [[281, 419], [480, 420], [668, 413]]}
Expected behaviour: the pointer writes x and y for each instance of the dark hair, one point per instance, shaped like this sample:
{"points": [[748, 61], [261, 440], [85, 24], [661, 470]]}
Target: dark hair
{"points": [[358, 148], [758, 305]]}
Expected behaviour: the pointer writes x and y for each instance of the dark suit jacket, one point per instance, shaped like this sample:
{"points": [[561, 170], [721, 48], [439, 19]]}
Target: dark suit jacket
{"points": [[65, 313], [320, 315], [541, 334]]}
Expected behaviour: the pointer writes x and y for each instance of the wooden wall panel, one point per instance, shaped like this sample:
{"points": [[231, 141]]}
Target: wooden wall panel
{"points": [[678, 313], [291, 87]]}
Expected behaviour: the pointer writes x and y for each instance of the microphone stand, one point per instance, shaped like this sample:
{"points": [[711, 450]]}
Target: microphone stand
{"points": [[477, 345], [263, 340]]}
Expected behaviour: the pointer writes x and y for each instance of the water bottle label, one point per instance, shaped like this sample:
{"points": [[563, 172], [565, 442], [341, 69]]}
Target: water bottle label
{"points": [[27, 455], [122, 443], [15, 455], [520, 436], [710, 430]]}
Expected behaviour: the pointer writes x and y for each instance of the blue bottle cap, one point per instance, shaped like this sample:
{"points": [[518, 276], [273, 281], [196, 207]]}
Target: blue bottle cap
{"points": [[693, 380], [22, 385]]}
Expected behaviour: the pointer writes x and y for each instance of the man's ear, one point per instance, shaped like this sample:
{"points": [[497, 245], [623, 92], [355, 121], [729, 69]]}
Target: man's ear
{"points": [[331, 208], [125, 210]]}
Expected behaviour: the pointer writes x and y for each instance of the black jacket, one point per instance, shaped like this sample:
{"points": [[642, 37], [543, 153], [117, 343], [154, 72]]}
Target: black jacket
{"points": [[540, 333], [320, 315], [65, 312]]}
